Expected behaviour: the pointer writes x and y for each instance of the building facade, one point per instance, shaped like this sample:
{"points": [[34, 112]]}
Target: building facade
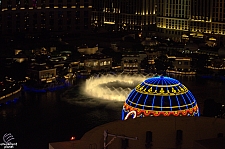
{"points": [[98, 63], [122, 15], [43, 75], [208, 18], [173, 17], [131, 61], [35, 16], [185, 19], [176, 19]]}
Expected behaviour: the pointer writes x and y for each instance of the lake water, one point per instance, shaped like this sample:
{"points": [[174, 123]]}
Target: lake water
{"points": [[41, 118]]}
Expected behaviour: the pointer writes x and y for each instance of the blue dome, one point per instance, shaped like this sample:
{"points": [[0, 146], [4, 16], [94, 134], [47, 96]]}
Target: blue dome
{"points": [[160, 96]]}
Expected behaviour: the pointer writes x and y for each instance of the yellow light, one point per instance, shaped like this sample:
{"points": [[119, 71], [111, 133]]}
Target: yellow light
{"points": [[161, 85], [109, 22], [183, 59], [160, 106], [212, 38], [171, 56]]}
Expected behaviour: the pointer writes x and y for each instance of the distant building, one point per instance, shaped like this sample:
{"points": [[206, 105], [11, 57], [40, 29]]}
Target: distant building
{"points": [[131, 61], [42, 74], [87, 50], [179, 20], [216, 65], [121, 15], [35, 16], [181, 65], [20, 58], [184, 19], [74, 65], [152, 55], [97, 63], [173, 18], [131, 64]]}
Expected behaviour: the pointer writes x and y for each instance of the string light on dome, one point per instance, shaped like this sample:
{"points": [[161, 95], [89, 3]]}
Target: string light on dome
{"points": [[160, 96]]}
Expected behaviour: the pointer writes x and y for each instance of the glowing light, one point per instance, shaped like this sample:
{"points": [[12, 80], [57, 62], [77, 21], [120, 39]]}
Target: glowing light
{"points": [[158, 96], [109, 22], [2, 97], [131, 113], [97, 86], [72, 138]]}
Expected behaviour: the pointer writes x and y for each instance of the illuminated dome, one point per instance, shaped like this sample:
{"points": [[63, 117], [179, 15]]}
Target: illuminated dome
{"points": [[160, 96]]}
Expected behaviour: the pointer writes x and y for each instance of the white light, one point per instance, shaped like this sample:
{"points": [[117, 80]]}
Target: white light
{"points": [[131, 113], [97, 86]]}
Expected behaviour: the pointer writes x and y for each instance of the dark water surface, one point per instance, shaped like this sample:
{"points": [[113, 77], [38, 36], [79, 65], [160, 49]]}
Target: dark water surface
{"points": [[56, 116]]}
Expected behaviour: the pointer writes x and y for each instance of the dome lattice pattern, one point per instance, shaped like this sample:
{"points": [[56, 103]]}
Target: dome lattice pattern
{"points": [[160, 96]]}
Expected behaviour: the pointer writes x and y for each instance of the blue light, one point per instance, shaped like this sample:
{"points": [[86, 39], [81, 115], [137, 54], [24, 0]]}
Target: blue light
{"points": [[145, 101], [15, 100], [161, 95], [138, 100], [8, 102]]}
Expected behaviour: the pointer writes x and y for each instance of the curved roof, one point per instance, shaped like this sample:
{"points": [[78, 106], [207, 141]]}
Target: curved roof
{"points": [[161, 95]]}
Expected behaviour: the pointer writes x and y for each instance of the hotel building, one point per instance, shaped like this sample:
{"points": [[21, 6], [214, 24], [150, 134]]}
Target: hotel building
{"points": [[175, 19], [34, 16], [208, 17], [121, 15], [182, 19]]}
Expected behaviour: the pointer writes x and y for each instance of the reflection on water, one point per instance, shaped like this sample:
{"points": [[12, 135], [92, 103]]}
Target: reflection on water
{"points": [[56, 116]]}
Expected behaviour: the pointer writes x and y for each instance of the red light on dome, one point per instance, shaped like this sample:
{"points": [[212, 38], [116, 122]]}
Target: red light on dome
{"points": [[72, 138]]}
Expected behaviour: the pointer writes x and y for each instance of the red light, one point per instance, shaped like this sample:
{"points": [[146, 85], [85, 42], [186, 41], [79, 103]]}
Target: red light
{"points": [[72, 138]]}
